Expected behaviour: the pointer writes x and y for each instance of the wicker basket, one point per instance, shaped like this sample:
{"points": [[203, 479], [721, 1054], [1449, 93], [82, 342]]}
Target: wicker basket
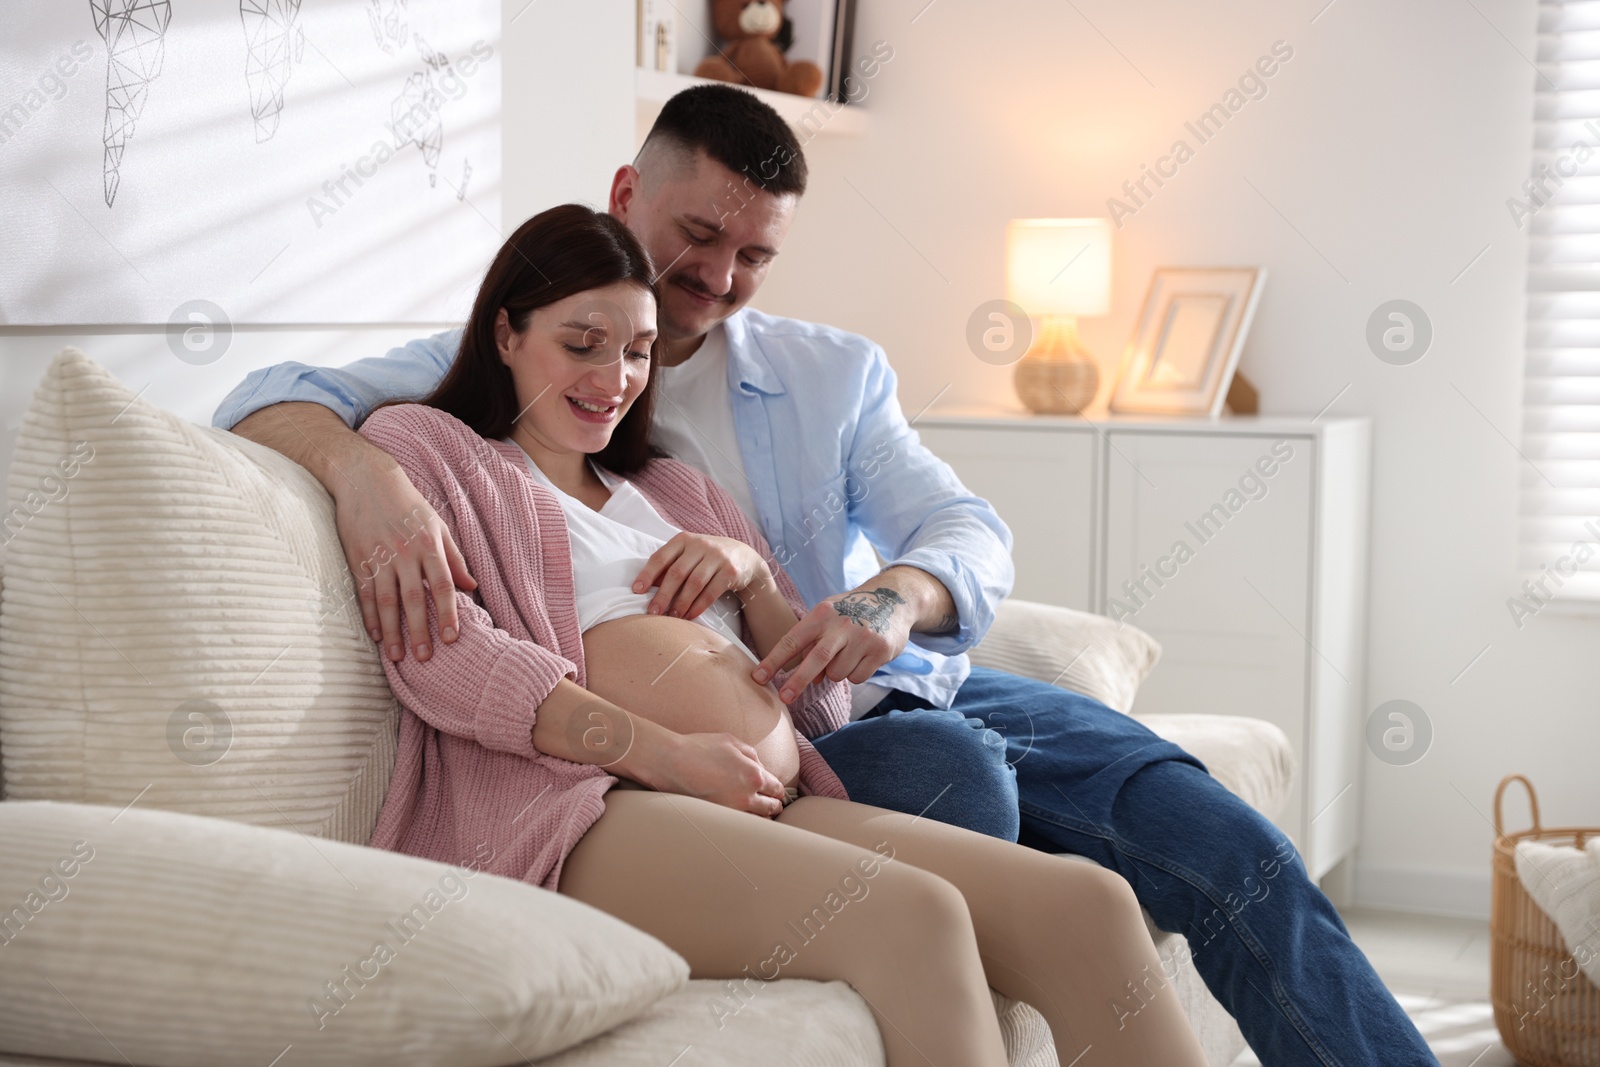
{"points": [[1547, 1011]]}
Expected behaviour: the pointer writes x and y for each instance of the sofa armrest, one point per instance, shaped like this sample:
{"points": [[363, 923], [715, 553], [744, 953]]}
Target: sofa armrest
{"points": [[1076, 650], [1251, 757]]}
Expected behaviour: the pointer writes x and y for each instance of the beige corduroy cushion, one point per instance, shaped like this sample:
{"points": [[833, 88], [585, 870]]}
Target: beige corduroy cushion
{"points": [[179, 623], [160, 938], [1088, 654]]}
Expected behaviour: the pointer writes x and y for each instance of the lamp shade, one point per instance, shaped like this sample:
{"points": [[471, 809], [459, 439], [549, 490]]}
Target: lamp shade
{"points": [[1059, 266]]}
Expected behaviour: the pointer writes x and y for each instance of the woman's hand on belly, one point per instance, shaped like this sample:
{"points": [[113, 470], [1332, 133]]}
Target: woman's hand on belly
{"points": [[691, 680], [722, 769]]}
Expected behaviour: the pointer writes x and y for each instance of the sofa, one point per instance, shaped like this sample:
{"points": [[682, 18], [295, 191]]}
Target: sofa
{"points": [[196, 736]]}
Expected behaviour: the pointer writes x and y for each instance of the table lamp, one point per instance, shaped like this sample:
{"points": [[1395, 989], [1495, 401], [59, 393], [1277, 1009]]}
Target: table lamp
{"points": [[1056, 270]]}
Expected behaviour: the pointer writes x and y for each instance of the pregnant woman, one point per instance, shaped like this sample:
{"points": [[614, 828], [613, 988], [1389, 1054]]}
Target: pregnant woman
{"points": [[576, 667]]}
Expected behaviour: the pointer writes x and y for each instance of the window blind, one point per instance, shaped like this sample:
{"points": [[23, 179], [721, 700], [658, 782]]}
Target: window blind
{"points": [[1560, 205]]}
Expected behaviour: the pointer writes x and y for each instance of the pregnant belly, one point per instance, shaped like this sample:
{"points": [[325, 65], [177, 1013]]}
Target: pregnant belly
{"points": [[691, 680]]}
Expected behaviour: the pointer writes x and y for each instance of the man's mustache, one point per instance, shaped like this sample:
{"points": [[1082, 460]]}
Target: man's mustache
{"points": [[693, 284]]}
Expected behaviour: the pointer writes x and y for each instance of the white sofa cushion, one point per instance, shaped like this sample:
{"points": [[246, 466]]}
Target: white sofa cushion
{"points": [[183, 941], [791, 1022], [1029, 1042], [1106, 660], [179, 622], [1088, 654], [1252, 757], [788, 1023]]}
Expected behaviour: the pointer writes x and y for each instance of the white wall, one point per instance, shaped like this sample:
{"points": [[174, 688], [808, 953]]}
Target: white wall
{"points": [[550, 155], [1390, 142]]}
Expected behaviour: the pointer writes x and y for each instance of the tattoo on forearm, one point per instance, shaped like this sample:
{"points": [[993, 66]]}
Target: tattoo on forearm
{"points": [[871, 609], [947, 624]]}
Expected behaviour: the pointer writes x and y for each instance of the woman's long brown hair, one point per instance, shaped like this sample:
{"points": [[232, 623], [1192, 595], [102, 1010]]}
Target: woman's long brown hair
{"points": [[556, 254]]}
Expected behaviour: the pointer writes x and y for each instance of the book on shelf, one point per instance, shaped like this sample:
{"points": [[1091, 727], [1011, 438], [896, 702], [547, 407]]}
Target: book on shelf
{"points": [[657, 25]]}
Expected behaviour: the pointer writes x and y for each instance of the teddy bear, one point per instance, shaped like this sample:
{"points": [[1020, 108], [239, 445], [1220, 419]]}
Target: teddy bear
{"points": [[750, 56]]}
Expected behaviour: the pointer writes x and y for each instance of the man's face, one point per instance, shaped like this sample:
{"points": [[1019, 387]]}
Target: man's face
{"points": [[712, 236]]}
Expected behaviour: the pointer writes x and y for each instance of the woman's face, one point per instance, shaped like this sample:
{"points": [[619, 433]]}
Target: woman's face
{"points": [[580, 364]]}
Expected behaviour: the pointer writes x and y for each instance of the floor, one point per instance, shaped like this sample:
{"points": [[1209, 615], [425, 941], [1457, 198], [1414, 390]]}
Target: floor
{"points": [[1438, 969]]}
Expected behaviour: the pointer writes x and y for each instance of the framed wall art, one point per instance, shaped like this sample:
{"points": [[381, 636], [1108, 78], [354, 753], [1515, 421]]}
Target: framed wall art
{"points": [[328, 162]]}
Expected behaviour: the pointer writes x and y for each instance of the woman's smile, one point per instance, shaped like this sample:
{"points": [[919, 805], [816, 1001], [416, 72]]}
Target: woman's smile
{"points": [[588, 409]]}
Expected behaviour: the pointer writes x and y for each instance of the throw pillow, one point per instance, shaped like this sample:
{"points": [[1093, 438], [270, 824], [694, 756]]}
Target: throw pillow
{"points": [[179, 624], [1088, 654], [154, 937]]}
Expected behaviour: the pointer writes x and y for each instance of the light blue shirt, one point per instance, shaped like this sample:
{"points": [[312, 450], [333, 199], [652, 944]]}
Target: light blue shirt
{"points": [[838, 476]]}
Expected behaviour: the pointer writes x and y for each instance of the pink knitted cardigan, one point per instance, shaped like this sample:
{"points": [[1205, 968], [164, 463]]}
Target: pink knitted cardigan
{"points": [[469, 786]]}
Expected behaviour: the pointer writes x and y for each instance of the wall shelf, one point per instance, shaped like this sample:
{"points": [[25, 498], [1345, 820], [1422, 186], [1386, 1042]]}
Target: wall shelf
{"points": [[810, 118]]}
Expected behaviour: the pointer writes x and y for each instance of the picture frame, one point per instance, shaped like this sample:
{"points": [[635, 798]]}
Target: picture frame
{"points": [[1187, 340], [812, 32], [841, 82]]}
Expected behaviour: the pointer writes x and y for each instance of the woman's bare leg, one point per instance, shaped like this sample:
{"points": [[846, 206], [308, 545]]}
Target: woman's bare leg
{"points": [[1065, 937], [743, 897]]}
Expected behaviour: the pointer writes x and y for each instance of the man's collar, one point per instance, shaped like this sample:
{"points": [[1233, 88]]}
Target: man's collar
{"points": [[748, 366]]}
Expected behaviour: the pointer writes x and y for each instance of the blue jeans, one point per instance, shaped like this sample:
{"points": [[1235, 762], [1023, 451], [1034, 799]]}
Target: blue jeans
{"points": [[1091, 781]]}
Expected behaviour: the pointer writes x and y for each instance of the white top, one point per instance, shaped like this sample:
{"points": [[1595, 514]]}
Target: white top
{"points": [[694, 423], [694, 419], [610, 547]]}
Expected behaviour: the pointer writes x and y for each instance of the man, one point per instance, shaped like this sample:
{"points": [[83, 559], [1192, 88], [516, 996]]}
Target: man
{"points": [[801, 424]]}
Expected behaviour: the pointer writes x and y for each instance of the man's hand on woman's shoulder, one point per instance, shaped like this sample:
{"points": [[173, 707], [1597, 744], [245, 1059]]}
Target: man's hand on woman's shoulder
{"points": [[395, 543], [401, 553]]}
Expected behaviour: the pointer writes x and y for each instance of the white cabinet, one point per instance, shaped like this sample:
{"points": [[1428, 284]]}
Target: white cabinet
{"points": [[1041, 484], [1239, 544]]}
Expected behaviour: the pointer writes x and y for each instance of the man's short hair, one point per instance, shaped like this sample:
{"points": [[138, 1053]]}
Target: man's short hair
{"points": [[737, 130]]}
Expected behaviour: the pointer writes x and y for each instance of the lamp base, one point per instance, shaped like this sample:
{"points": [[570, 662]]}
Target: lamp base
{"points": [[1057, 376]]}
